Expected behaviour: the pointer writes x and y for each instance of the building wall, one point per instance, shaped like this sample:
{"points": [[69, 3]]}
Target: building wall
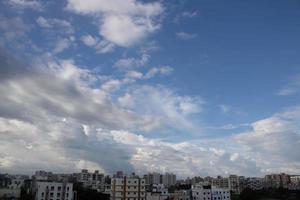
{"points": [[53, 191], [128, 188]]}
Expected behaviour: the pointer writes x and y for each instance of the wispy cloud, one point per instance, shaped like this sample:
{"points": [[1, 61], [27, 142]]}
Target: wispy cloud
{"points": [[186, 36]]}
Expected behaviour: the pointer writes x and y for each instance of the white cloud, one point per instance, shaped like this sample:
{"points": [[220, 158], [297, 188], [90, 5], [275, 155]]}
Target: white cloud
{"points": [[122, 22], [111, 85], [55, 24], [165, 70], [55, 108], [61, 45], [185, 14], [89, 40], [127, 63], [292, 88], [13, 28], [186, 36], [24, 4], [101, 46]]}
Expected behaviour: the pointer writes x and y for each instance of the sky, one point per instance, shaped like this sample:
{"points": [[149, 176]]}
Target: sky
{"points": [[199, 87]]}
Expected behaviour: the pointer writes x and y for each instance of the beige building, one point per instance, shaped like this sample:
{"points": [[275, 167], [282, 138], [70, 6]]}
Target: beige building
{"points": [[128, 188]]}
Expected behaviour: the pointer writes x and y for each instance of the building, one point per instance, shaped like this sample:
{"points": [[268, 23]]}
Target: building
{"points": [[277, 181], [253, 183], [156, 196], [48, 190], [182, 195], [234, 184], [208, 192], [12, 190], [201, 193], [169, 179], [92, 180], [128, 188], [295, 182], [220, 194], [153, 178], [220, 182]]}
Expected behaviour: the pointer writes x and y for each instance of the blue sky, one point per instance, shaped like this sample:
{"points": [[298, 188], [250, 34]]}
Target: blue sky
{"points": [[216, 82]]}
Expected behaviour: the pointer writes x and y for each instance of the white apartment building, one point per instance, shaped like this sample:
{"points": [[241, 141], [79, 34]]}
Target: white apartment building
{"points": [[169, 179], [46, 190], [128, 188], [201, 194], [182, 195], [159, 188], [220, 194], [295, 179], [208, 192]]}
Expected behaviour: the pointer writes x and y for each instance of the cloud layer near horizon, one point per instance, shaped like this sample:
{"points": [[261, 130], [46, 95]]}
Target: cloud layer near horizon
{"points": [[55, 115]]}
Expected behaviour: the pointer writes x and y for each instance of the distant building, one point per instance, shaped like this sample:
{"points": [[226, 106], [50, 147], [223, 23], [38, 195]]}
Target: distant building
{"points": [[277, 181], [169, 179], [220, 182], [234, 184], [127, 188], [182, 195], [253, 183], [92, 180], [153, 178]]}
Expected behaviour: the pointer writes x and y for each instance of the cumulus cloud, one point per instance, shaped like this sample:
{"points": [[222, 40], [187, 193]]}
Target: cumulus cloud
{"points": [[274, 142], [123, 23]]}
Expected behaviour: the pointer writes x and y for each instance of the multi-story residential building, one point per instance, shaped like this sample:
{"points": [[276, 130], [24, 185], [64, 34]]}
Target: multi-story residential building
{"points": [[95, 181], [208, 192], [295, 179], [234, 184], [201, 193], [48, 190], [220, 193], [295, 182], [128, 188], [220, 182], [182, 195], [12, 190], [277, 180], [169, 179], [153, 178], [159, 188], [253, 183], [156, 196]]}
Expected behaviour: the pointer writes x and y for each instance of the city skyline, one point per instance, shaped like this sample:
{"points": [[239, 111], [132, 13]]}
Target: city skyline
{"points": [[188, 87]]}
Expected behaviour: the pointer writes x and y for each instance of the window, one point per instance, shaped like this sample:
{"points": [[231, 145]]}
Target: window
{"points": [[52, 188], [59, 188], [51, 194]]}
